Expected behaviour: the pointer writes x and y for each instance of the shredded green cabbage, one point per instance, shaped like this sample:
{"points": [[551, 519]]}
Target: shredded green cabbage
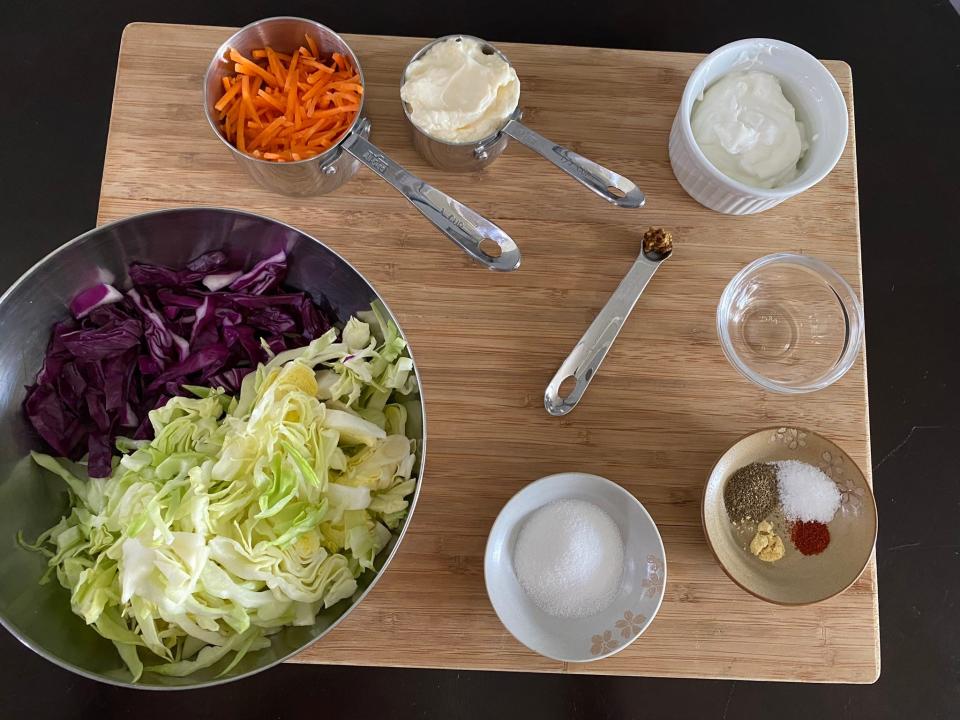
{"points": [[243, 515]]}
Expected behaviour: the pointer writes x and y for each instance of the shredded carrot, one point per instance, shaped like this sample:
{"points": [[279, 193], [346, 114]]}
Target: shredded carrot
{"points": [[319, 66], [266, 98], [267, 134], [286, 108], [248, 67], [275, 66], [227, 97], [241, 129], [292, 78], [247, 101]]}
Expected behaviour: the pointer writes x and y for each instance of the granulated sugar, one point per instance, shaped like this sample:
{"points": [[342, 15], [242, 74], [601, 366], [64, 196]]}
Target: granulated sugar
{"points": [[806, 492], [569, 558]]}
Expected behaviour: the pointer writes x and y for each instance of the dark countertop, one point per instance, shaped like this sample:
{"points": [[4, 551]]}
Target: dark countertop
{"points": [[60, 63]]}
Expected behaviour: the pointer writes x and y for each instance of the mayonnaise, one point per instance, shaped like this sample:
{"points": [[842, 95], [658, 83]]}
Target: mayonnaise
{"points": [[749, 130], [458, 94]]}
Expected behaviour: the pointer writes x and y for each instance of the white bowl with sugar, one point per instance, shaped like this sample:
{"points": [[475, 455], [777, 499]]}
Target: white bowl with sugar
{"points": [[575, 567]]}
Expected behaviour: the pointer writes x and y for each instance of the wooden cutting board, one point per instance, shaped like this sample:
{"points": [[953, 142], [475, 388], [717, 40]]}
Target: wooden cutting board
{"points": [[664, 406]]}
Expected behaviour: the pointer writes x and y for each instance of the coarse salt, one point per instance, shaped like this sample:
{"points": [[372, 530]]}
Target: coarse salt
{"points": [[569, 558], [806, 492]]}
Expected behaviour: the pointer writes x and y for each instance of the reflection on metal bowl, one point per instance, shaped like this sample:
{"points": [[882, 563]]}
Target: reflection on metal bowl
{"points": [[31, 500]]}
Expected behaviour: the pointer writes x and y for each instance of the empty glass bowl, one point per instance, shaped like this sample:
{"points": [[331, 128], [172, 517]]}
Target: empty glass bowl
{"points": [[790, 323]]}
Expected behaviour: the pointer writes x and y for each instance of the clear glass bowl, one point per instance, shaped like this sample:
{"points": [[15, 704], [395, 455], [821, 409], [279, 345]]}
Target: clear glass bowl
{"points": [[790, 323]]}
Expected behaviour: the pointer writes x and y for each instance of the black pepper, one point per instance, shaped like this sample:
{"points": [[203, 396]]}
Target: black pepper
{"points": [[751, 492]]}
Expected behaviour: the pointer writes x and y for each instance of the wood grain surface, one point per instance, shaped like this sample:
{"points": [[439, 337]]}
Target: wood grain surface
{"points": [[664, 406]]}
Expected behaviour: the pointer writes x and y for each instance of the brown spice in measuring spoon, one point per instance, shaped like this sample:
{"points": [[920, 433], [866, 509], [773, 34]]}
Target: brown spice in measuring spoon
{"points": [[657, 242]]}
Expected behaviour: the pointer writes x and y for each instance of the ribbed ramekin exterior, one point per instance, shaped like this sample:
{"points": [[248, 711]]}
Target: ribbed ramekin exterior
{"points": [[703, 187]]}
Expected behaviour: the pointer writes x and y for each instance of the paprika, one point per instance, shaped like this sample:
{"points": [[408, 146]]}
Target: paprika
{"points": [[810, 538]]}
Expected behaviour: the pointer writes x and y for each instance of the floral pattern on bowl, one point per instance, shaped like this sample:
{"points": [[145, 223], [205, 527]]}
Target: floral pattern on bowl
{"points": [[851, 498], [602, 644], [653, 583], [629, 627], [791, 437], [831, 465], [632, 624], [851, 495]]}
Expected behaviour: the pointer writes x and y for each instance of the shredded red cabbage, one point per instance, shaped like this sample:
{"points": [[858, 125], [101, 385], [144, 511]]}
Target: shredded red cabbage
{"points": [[124, 354]]}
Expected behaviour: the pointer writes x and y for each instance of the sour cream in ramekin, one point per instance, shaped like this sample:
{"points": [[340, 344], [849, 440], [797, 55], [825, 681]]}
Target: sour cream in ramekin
{"points": [[749, 130]]}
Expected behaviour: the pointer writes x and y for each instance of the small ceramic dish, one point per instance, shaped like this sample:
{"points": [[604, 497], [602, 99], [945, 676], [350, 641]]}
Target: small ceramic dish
{"points": [[795, 579], [809, 87], [641, 589]]}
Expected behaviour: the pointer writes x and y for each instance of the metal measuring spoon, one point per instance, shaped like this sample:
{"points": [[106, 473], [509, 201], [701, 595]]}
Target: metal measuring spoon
{"points": [[584, 361]]}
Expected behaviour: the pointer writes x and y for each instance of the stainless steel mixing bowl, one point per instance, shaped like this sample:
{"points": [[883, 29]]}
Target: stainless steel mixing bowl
{"points": [[32, 500]]}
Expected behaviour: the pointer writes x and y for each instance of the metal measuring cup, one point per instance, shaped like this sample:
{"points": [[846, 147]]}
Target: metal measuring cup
{"points": [[481, 239], [470, 156]]}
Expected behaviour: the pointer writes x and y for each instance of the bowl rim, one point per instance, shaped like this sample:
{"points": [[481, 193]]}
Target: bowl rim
{"points": [[40, 650], [706, 534], [589, 477], [836, 281], [330, 153], [687, 99]]}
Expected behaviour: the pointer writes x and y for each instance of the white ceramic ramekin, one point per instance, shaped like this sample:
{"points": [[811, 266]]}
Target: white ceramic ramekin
{"points": [[806, 83]]}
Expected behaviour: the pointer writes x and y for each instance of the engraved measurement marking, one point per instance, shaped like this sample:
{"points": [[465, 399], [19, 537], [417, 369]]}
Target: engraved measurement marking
{"points": [[376, 160], [445, 207], [573, 166], [454, 220]]}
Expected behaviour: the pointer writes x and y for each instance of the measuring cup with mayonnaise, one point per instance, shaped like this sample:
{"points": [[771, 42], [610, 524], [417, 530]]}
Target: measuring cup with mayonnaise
{"points": [[462, 96]]}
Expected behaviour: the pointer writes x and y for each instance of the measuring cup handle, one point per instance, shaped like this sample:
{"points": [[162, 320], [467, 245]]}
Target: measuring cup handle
{"points": [[607, 184], [585, 358], [472, 232]]}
